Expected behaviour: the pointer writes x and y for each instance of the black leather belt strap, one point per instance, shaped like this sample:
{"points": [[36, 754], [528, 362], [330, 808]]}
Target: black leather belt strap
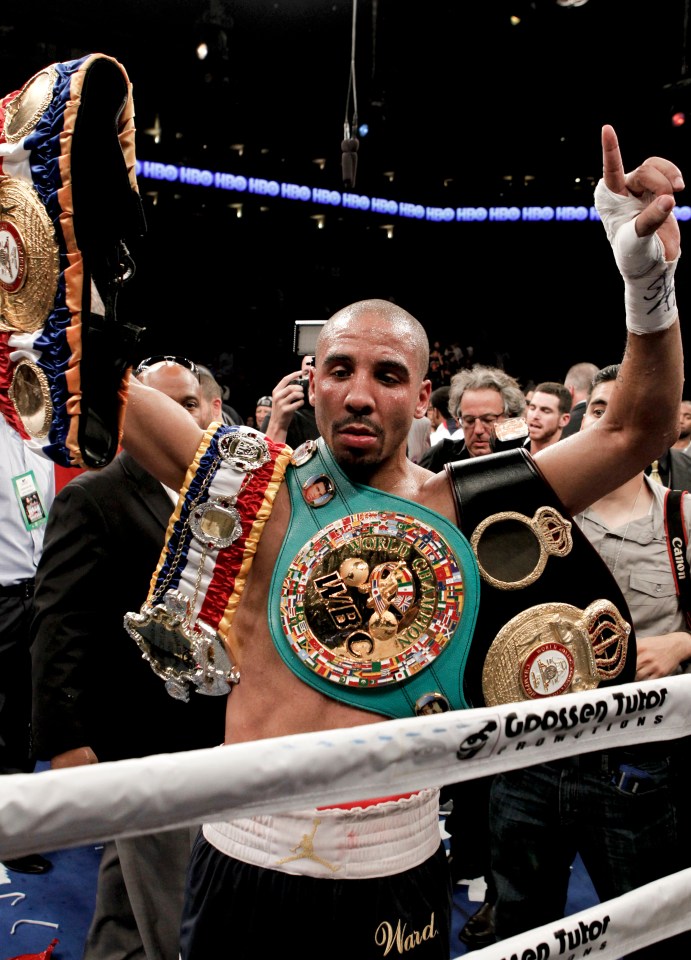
{"points": [[676, 537], [511, 481], [24, 589], [485, 485]]}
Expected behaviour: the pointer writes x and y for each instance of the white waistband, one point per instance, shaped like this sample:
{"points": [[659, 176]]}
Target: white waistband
{"points": [[343, 844]]}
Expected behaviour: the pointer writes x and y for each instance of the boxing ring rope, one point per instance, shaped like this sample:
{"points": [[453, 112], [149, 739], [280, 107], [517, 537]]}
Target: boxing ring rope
{"points": [[56, 809], [608, 930]]}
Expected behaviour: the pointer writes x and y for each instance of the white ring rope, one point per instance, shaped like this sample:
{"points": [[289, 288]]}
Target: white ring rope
{"points": [[55, 809], [609, 930]]}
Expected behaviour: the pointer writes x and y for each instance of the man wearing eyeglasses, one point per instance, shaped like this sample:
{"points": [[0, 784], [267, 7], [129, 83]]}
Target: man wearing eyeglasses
{"points": [[480, 397], [301, 619], [95, 699]]}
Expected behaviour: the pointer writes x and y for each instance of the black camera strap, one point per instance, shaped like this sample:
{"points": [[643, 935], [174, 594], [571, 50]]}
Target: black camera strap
{"points": [[677, 542]]}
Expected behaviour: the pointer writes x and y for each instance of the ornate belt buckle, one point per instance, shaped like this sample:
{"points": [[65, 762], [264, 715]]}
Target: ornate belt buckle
{"points": [[29, 258], [181, 652], [27, 108], [555, 648], [372, 599], [512, 549], [244, 449]]}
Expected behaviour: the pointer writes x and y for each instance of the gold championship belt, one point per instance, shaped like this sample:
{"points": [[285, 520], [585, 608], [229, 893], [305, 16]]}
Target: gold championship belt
{"points": [[372, 599], [555, 648], [29, 262], [550, 648], [69, 203], [552, 618], [372, 603]]}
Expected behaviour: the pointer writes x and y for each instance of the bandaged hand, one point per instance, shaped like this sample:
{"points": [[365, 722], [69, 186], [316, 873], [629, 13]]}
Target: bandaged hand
{"points": [[636, 211]]}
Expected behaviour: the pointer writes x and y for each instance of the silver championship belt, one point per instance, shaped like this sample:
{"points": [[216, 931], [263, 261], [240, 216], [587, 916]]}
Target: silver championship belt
{"points": [[212, 536]]}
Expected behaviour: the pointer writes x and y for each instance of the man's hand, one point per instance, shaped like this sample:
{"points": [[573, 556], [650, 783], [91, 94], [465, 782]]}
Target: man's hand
{"points": [[286, 397], [78, 757], [636, 212], [660, 656], [654, 183]]}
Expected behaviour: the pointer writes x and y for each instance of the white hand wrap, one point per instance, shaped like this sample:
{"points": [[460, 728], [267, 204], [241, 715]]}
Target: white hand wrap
{"points": [[649, 296]]}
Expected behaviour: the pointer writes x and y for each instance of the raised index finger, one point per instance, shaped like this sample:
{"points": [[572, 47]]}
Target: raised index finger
{"points": [[612, 166]]}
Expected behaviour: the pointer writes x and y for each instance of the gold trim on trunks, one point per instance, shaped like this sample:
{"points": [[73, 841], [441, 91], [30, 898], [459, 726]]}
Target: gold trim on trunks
{"points": [[555, 648], [23, 113], [30, 394], [29, 258], [512, 549]]}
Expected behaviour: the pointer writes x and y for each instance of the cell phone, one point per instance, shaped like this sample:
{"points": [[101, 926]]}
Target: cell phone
{"points": [[303, 382]]}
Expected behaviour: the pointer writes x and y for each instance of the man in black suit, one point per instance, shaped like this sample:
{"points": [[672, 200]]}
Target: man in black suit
{"points": [[95, 698], [480, 397]]}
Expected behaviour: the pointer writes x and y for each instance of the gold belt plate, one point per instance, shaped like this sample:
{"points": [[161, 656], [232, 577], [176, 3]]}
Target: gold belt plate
{"points": [[29, 258], [555, 648], [372, 599]]}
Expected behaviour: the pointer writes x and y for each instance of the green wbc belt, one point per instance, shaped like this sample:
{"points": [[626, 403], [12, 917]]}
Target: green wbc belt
{"points": [[374, 598]]}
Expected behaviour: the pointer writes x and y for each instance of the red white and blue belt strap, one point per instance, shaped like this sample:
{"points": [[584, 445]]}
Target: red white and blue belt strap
{"points": [[67, 166], [212, 537]]}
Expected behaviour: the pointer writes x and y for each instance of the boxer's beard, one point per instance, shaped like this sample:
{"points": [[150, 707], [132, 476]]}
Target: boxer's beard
{"points": [[358, 464]]}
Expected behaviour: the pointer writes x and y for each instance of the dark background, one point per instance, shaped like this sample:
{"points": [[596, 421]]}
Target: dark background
{"points": [[457, 100]]}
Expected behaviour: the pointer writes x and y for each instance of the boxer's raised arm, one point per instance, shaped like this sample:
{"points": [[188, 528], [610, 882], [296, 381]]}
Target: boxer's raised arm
{"points": [[160, 434]]}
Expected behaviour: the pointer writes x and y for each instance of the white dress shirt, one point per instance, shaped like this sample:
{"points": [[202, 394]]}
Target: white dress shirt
{"points": [[20, 549]]}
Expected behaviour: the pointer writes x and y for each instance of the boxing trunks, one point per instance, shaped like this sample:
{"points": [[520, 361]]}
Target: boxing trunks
{"points": [[69, 205], [370, 916]]}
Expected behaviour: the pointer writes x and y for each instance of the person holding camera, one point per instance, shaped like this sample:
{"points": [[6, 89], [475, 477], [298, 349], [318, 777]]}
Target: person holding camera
{"points": [[292, 419]]}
